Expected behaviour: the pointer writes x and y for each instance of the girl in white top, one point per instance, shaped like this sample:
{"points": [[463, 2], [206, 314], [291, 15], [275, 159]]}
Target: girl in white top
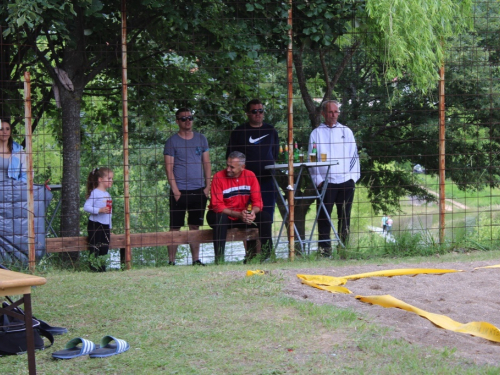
{"points": [[99, 205]]}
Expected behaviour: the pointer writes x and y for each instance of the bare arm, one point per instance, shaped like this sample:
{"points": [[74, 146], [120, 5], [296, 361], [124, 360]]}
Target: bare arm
{"points": [[207, 171], [169, 169]]}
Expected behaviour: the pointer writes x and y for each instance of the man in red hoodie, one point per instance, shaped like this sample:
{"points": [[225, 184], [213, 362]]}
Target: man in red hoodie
{"points": [[233, 190]]}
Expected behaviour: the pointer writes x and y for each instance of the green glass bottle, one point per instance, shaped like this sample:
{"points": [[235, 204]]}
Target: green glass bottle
{"points": [[314, 153], [296, 153]]}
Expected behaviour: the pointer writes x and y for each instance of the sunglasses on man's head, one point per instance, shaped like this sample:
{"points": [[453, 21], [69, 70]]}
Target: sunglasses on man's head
{"points": [[255, 111], [185, 118]]}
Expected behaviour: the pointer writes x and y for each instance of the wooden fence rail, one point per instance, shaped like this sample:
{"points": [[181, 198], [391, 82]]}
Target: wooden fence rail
{"points": [[137, 240]]}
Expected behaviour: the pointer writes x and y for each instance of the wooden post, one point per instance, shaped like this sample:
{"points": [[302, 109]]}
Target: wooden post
{"points": [[126, 177], [29, 170], [291, 196], [442, 157]]}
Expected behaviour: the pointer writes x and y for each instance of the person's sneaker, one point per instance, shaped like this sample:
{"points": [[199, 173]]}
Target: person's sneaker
{"points": [[171, 263], [198, 263]]}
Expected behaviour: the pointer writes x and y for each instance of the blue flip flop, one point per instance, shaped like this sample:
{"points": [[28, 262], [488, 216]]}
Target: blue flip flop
{"points": [[107, 349], [73, 350]]}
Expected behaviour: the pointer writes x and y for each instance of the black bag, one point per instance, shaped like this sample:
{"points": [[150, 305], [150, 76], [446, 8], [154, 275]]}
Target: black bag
{"points": [[13, 333]]}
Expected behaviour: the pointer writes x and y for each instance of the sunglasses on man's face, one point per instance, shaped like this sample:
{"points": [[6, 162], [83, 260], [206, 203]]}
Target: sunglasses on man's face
{"points": [[255, 111], [185, 118]]}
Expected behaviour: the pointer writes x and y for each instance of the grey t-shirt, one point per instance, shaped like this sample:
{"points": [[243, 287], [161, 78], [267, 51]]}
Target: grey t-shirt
{"points": [[188, 165]]}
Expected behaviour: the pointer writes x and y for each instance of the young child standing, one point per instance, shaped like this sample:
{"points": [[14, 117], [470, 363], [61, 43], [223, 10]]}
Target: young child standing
{"points": [[99, 204]]}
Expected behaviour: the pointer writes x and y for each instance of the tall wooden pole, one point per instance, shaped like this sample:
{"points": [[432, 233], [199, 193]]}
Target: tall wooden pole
{"points": [[126, 190], [29, 170], [442, 155], [291, 196]]}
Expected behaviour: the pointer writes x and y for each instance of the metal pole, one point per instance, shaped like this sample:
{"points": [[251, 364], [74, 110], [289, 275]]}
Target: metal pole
{"points": [[442, 155], [29, 170], [291, 196], [126, 190]]}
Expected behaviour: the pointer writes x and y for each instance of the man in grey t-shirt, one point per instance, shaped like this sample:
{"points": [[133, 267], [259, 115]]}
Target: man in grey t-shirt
{"points": [[187, 163]]}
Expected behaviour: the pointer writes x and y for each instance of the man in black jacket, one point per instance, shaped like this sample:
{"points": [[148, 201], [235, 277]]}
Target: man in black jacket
{"points": [[259, 142]]}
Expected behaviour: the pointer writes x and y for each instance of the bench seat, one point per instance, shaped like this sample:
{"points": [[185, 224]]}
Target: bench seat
{"points": [[137, 240]]}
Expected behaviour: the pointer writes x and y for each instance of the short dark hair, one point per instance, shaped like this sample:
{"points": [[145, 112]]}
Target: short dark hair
{"points": [[323, 105], [252, 102], [238, 155], [180, 110]]}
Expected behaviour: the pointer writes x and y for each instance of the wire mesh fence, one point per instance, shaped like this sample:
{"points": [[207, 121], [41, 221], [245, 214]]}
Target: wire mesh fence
{"points": [[213, 58]]}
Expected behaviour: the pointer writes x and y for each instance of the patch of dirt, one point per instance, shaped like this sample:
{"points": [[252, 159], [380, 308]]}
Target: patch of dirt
{"points": [[472, 295]]}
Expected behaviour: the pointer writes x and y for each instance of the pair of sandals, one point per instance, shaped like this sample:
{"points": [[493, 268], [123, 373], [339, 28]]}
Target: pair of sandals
{"points": [[79, 347]]}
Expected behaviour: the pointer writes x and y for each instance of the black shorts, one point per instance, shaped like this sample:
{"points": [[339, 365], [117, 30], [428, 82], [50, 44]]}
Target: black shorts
{"points": [[98, 237], [192, 201]]}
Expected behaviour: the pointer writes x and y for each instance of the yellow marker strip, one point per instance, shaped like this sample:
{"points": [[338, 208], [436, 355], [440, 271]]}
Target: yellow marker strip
{"points": [[333, 284], [256, 272], [479, 329], [328, 283], [399, 272], [328, 288], [495, 266], [325, 280]]}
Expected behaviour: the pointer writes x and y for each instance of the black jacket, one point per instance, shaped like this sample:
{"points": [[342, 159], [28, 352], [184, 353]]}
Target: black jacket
{"points": [[260, 146]]}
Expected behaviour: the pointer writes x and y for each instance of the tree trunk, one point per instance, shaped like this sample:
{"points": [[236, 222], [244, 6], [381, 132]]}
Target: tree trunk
{"points": [[71, 83], [70, 207], [312, 109]]}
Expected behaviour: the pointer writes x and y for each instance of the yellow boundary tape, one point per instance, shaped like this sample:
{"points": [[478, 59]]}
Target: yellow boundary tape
{"points": [[479, 329], [329, 283], [333, 284], [495, 266], [400, 272], [256, 272]]}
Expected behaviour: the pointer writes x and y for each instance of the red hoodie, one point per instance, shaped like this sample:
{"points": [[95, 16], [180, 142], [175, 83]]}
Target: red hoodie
{"points": [[235, 192]]}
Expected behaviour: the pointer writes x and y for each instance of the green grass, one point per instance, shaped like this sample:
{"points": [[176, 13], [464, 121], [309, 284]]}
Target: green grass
{"points": [[416, 228], [484, 198], [214, 320]]}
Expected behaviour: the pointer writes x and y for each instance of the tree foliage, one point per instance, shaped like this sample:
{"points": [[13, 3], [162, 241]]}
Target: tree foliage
{"points": [[379, 57], [76, 43]]}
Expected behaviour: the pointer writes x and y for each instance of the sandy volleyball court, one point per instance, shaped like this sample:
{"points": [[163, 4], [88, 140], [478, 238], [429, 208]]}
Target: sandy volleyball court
{"points": [[472, 295]]}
